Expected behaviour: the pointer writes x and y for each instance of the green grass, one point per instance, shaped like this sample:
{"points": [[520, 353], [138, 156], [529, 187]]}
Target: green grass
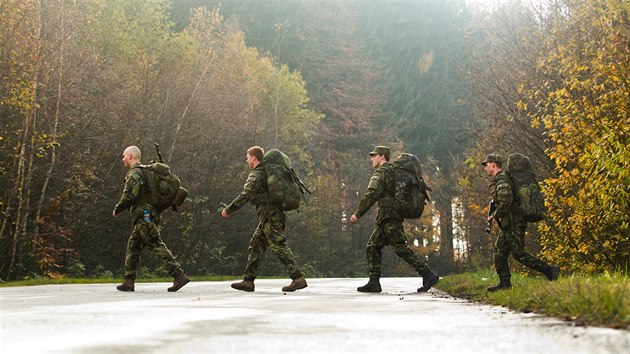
{"points": [[602, 300], [48, 281]]}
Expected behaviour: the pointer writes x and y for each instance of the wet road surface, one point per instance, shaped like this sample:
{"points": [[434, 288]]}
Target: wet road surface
{"points": [[328, 316]]}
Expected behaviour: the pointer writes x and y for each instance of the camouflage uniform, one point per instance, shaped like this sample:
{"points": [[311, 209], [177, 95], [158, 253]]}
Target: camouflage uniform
{"points": [[272, 222], [144, 234], [389, 229], [511, 236]]}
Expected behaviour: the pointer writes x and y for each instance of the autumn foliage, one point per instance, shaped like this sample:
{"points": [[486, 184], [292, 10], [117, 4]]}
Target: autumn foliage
{"points": [[584, 106]]}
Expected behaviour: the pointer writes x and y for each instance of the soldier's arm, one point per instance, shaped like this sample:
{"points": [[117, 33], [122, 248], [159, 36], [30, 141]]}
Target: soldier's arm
{"points": [[373, 193], [503, 198], [249, 191], [131, 191]]}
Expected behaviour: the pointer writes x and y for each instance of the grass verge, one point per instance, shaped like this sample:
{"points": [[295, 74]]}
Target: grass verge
{"points": [[48, 281], [602, 300]]}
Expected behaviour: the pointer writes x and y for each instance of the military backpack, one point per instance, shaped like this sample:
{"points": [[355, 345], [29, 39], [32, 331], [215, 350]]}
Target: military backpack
{"points": [[286, 190], [411, 192], [526, 190], [164, 188]]}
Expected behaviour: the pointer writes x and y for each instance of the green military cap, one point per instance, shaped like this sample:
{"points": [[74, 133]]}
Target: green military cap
{"points": [[496, 158], [381, 150]]}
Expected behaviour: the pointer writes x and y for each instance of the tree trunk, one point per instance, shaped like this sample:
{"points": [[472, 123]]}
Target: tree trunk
{"points": [[24, 173], [446, 253], [53, 149]]}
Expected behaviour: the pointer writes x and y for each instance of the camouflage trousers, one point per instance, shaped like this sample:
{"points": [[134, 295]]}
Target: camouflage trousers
{"points": [[148, 235], [390, 232], [268, 234], [511, 241]]}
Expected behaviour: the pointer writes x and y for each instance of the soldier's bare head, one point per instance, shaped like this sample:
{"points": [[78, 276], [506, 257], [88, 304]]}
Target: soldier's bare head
{"points": [[255, 154], [131, 155], [134, 151]]}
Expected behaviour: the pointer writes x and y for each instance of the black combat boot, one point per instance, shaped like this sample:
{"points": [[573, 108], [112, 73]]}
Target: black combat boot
{"points": [[553, 272], [245, 285], [296, 284], [179, 281], [127, 285], [428, 280], [504, 284], [372, 286]]}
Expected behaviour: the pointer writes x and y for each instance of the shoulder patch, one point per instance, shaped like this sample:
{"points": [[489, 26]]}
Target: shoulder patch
{"points": [[251, 178], [502, 185]]}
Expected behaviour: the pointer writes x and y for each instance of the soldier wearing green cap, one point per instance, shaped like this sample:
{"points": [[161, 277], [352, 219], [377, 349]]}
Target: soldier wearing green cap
{"points": [[389, 229], [511, 237]]}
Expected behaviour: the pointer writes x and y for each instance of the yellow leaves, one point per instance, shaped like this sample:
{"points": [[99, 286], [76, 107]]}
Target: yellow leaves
{"points": [[584, 114]]}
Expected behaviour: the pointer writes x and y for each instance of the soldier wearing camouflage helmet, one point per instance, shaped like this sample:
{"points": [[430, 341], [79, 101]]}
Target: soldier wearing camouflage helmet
{"points": [[146, 227], [389, 229], [268, 234], [511, 237]]}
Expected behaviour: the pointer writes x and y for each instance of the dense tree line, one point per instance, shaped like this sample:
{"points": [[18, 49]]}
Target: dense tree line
{"points": [[324, 82]]}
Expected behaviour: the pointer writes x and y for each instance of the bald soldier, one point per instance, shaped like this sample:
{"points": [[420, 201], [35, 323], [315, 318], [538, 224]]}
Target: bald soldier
{"points": [[389, 229], [146, 228]]}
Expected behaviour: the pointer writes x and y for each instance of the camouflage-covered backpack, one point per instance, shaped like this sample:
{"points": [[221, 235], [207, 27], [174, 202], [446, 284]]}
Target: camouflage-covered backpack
{"points": [[411, 192], [164, 188], [286, 190], [525, 187]]}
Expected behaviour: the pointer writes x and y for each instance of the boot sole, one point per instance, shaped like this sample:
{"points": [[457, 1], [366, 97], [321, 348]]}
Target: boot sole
{"points": [[174, 289], [425, 287], [249, 290], [369, 290], [292, 290], [494, 290]]}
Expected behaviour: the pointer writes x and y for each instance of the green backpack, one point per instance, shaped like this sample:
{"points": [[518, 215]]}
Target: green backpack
{"points": [[525, 187], [411, 192], [164, 188], [286, 190]]}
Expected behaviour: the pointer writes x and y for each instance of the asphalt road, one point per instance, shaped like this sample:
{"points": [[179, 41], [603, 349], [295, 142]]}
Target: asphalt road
{"points": [[328, 316]]}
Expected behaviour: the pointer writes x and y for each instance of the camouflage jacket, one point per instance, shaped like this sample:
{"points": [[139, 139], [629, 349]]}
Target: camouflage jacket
{"points": [[255, 191], [132, 197], [381, 188], [506, 212]]}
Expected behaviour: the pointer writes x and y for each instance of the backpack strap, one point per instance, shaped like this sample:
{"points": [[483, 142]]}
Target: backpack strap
{"points": [[146, 181]]}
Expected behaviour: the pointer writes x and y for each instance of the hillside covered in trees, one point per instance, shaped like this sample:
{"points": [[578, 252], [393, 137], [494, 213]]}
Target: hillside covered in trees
{"points": [[324, 82]]}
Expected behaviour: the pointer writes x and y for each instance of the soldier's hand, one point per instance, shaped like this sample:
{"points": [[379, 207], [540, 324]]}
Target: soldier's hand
{"points": [[354, 219], [114, 213], [224, 214]]}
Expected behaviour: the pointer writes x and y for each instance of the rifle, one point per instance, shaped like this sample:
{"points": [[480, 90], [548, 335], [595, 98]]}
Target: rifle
{"points": [[157, 148], [491, 209]]}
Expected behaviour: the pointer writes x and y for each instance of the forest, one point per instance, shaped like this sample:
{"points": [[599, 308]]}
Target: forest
{"points": [[323, 81]]}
